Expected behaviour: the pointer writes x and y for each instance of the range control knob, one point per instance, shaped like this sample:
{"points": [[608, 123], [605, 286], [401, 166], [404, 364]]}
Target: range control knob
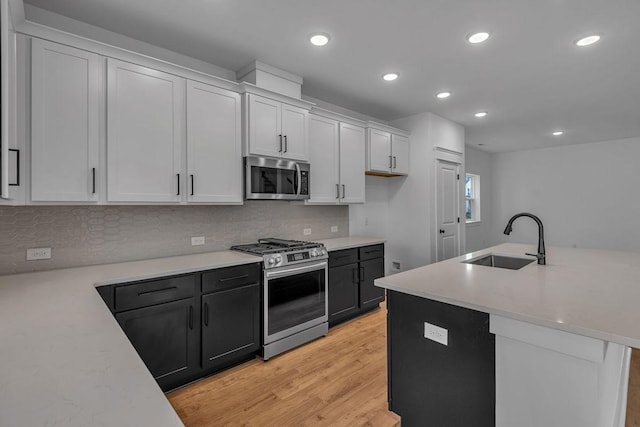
{"points": [[271, 260], [314, 253], [278, 259]]}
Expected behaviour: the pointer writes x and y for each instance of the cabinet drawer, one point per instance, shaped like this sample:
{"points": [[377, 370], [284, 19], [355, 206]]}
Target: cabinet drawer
{"points": [[230, 277], [345, 256], [371, 252], [151, 292]]}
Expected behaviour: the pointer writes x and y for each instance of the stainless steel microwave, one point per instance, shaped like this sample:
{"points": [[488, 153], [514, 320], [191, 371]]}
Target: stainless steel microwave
{"points": [[276, 179]]}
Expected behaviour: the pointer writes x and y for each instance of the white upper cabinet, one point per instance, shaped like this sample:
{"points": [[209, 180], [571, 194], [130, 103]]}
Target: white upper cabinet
{"points": [[352, 152], [337, 161], [277, 129], [214, 145], [65, 106], [324, 153], [145, 133], [387, 153], [400, 154]]}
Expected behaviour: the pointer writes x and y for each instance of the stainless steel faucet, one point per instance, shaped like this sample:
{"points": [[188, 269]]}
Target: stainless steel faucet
{"points": [[542, 260]]}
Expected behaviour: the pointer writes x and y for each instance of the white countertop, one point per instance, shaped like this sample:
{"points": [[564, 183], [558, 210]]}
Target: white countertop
{"points": [[588, 292], [65, 359], [349, 242]]}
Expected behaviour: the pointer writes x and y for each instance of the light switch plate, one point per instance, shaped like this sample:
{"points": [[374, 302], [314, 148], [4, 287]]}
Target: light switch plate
{"points": [[307, 231], [197, 241], [334, 228], [436, 333], [34, 254]]}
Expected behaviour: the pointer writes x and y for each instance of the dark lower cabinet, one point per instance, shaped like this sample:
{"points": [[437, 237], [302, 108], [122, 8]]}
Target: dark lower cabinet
{"points": [[188, 326], [230, 325], [343, 292], [166, 336], [351, 276], [431, 384]]}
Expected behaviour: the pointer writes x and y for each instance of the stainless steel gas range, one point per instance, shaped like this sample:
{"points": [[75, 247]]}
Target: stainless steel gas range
{"points": [[295, 303]]}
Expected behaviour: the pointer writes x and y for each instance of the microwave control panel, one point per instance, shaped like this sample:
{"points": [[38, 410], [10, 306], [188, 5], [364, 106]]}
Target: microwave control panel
{"points": [[304, 182]]}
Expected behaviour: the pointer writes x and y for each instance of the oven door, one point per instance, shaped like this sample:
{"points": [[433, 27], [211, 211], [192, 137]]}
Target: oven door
{"points": [[295, 299]]}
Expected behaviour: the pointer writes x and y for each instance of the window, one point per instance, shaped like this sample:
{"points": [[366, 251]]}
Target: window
{"points": [[472, 197]]}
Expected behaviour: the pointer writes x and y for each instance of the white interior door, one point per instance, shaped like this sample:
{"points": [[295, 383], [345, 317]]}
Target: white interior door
{"points": [[447, 210]]}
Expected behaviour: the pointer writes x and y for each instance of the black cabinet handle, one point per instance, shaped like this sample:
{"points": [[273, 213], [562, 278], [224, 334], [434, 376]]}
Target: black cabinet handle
{"points": [[206, 314], [93, 180], [356, 280], [178, 175], [192, 185], [280, 150], [157, 290], [395, 165], [17, 183], [441, 231], [390, 162], [344, 191], [361, 274], [337, 191], [285, 144], [226, 279], [190, 317]]}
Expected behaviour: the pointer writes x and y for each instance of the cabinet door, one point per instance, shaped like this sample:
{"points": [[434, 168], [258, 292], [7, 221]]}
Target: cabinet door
{"points": [[64, 123], [214, 156], [323, 156], [379, 151], [431, 384], [230, 325], [265, 134], [370, 295], [400, 153], [343, 292], [166, 338], [145, 111], [295, 130], [352, 159]]}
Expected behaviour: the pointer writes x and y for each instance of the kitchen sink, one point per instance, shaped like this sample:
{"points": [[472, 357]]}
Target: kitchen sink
{"points": [[501, 261]]}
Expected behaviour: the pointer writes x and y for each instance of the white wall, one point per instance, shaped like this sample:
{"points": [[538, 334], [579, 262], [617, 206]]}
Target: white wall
{"points": [[478, 234], [586, 195]]}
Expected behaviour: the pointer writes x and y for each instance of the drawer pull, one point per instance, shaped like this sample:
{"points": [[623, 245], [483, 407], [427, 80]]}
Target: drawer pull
{"points": [[226, 279], [190, 317], [156, 290], [372, 251]]}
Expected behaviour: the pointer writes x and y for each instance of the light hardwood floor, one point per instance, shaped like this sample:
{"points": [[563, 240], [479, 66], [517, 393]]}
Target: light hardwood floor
{"points": [[337, 380]]}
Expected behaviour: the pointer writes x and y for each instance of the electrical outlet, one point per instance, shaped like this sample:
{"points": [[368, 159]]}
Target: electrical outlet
{"points": [[395, 265], [197, 241], [436, 333], [307, 231], [34, 254], [334, 228]]}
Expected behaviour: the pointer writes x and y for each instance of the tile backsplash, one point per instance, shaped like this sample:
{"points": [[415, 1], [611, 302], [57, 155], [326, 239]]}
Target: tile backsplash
{"points": [[86, 235]]}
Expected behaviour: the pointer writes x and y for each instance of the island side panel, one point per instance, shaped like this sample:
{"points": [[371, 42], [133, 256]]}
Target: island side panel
{"points": [[434, 384]]}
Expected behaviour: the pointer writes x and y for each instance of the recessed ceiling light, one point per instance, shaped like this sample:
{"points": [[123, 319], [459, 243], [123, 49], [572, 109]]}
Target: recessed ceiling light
{"points": [[443, 95], [319, 39], [390, 76], [557, 133], [588, 40], [478, 37], [481, 114]]}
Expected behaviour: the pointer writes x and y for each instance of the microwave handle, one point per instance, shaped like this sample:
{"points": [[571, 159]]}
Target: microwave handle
{"points": [[299, 175]]}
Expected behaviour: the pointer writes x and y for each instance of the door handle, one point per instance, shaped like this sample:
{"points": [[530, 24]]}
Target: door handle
{"points": [[178, 175], [337, 191], [361, 274], [390, 162], [192, 186], [344, 191], [206, 314], [395, 165], [286, 146], [280, 150], [441, 231], [17, 183], [190, 317], [93, 180]]}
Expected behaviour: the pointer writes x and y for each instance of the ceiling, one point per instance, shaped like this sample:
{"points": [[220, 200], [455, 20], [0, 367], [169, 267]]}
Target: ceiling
{"points": [[529, 75]]}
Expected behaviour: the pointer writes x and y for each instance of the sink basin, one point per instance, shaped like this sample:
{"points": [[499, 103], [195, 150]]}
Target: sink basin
{"points": [[501, 261]]}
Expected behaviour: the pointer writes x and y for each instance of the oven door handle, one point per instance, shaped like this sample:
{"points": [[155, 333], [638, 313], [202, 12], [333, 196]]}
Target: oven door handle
{"points": [[299, 175], [295, 270]]}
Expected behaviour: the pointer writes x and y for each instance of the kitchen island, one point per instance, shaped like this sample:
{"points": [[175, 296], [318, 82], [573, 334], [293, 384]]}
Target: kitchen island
{"points": [[562, 332]]}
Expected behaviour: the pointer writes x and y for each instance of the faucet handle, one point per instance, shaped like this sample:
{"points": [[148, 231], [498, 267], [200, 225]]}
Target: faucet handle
{"points": [[539, 256]]}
